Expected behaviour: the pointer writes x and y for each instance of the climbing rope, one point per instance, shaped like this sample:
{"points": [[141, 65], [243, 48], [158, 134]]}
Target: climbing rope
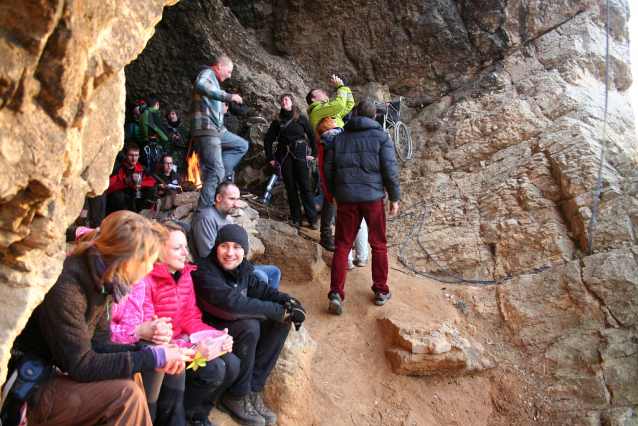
{"points": [[602, 148], [458, 279]]}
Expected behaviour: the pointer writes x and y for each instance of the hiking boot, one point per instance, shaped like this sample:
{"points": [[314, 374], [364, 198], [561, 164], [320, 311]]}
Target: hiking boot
{"points": [[361, 262], [327, 242], [335, 304], [241, 410], [258, 404], [314, 226], [198, 422], [380, 299], [296, 223], [350, 265]]}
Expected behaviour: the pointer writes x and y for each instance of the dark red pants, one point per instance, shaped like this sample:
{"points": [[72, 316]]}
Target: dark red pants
{"points": [[348, 222]]}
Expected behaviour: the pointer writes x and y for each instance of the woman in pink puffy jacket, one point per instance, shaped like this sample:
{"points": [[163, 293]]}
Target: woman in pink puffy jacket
{"points": [[163, 307]]}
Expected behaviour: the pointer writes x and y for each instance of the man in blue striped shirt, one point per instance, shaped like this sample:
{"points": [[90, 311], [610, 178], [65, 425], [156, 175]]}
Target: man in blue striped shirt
{"points": [[220, 150]]}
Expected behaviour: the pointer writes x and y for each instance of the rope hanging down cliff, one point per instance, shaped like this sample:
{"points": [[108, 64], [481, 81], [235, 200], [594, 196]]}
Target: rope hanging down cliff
{"points": [[604, 138]]}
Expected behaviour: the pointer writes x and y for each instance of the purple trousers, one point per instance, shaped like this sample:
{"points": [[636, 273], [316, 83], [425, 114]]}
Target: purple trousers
{"points": [[348, 222]]}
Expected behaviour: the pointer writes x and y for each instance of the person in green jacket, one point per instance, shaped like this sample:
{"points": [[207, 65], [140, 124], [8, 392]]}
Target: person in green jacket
{"points": [[155, 139], [320, 107]]}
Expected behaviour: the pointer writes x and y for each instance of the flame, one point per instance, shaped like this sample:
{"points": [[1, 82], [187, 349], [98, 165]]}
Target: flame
{"points": [[193, 170]]}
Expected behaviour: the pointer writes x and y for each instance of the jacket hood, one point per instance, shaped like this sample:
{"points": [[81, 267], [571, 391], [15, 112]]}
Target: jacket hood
{"points": [[160, 271], [362, 123]]}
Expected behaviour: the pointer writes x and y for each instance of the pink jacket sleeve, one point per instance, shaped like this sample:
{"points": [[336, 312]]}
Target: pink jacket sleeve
{"points": [[148, 307], [127, 315]]}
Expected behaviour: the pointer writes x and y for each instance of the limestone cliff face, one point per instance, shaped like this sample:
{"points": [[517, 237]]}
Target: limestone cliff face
{"points": [[61, 107], [507, 158]]}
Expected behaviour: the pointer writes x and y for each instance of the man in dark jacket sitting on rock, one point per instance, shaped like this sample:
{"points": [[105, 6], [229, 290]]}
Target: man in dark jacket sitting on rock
{"points": [[255, 314], [168, 180], [358, 167]]}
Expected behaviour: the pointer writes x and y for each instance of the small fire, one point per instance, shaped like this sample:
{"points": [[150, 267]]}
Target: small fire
{"points": [[193, 170]]}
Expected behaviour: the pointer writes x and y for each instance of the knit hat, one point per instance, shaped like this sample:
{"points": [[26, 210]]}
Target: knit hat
{"points": [[234, 234]]}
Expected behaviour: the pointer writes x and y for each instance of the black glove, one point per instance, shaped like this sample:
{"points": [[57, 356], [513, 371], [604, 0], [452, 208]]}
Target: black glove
{"points": [[294, 313], [295, 302], [298, 316]]}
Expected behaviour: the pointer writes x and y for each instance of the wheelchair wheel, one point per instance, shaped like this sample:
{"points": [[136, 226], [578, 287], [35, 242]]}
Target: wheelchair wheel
{"points": [[402, 141]]}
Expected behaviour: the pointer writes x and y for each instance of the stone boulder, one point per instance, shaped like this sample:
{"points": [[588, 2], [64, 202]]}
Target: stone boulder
{"points": [[296, 256], [287, 391], [185, 198], [429, 346], [613, 278]]}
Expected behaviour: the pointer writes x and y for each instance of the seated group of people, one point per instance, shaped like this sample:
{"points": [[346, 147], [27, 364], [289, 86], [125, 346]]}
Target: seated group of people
{"points": [[133, 187], [159, 301]]}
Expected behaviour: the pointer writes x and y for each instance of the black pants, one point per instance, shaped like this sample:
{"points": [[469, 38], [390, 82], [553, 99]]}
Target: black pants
{"points": [[165, 397], [257, 344], [97, 210], [125, 200], [205, 386], [296, 176], [327, 216]]}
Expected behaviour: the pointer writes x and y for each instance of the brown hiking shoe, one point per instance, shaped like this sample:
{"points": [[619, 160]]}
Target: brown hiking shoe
{"points": [[258, 404], [241, 410]]}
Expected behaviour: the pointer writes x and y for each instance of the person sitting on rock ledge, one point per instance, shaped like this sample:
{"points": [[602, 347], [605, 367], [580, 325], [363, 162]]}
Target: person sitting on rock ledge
{"points": [[70, 329], [205, 226], [255, 314], [131, 187], [168, 180]]}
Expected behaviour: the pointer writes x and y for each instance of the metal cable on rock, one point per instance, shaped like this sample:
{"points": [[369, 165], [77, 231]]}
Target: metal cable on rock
{"points": [[604, 138], [458, 279]]}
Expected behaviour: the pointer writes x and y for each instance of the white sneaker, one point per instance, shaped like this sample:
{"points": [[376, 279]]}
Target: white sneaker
{"points": [[361, 262], [350, 265]]}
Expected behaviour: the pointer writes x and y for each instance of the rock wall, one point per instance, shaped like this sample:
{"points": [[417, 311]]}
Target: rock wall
{"points": [[61, 104], [507, 157], [508, 164]]}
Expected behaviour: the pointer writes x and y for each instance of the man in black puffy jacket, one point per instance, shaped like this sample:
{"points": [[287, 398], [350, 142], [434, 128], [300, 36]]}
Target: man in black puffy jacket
{"points": [[359, 167], [255, 314]]}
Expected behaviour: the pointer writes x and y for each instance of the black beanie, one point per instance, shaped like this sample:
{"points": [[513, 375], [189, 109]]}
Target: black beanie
{"points": [[233, 234]]}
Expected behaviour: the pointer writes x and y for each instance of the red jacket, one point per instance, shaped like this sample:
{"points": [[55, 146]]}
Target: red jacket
{"points": [[116, 182], [165, 298]]}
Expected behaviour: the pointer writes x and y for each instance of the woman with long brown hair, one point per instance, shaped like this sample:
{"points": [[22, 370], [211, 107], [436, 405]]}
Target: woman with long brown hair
{"points": [[294, 136], [70, 330]]}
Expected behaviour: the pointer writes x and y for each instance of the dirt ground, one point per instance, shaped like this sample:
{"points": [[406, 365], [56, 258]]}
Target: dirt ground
{"points": [[353, 383]]}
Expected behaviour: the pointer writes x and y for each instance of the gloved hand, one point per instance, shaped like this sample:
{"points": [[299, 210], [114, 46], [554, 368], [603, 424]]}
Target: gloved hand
{"points": [[295, 313], [295, 302], [298, 316]]}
